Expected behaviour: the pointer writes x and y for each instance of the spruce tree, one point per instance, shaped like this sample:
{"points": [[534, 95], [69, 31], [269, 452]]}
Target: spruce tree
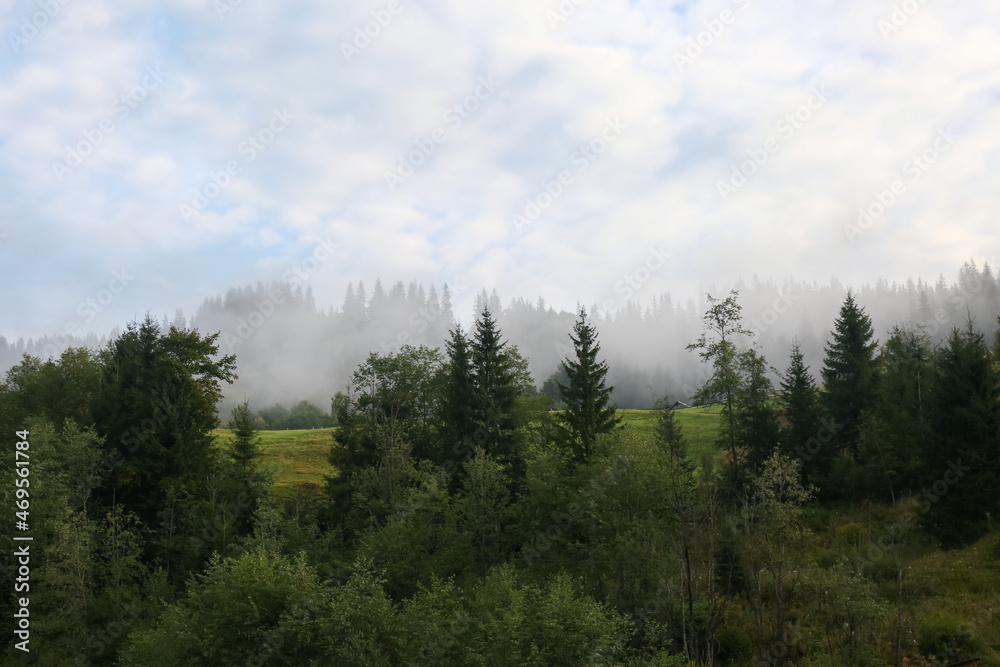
{"points": [[800, 400], [964, 449], [588, 411], [246, 443], [495, 389], [246, 454], [458, 406], [906, 375], [849, 374]]}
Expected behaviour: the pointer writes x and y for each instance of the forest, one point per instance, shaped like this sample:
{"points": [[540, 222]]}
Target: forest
{"points": [[292, 349], [843, 515]]}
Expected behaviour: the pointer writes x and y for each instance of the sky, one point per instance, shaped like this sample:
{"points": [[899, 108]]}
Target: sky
{"points": [[155, 154]]}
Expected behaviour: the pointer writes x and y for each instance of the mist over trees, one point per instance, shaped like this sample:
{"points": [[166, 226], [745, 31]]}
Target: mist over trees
{"points": [[291, 350], [462, 521]]}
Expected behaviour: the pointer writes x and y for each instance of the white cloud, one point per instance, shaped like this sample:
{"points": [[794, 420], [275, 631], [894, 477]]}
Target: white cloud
{"points": [[658, 181]]}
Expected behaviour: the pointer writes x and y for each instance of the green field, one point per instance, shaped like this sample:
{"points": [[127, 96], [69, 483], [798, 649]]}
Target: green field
{"points": [[295, 457], [300, 457], [700, 425]]}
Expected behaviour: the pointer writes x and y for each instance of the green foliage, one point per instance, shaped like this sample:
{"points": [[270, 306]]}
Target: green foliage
{"points": [[588, 412], [801, 412], [722, 322], [943, 633], [850, 374], [847, 609], [389, 420], [550, 387], [56, 389], [771, 524], [965, 415], [157, 410], [67, 578], [494, 372], [302, 415], [458, 409], [482, 512], [755, 418], [415, 542], [356, 627], [524, 625], [119, 555], [245, 448], [433, 626], [240, 608]]}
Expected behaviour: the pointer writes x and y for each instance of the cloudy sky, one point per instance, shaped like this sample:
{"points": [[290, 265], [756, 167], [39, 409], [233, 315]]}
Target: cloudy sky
{"points": [[154, 154]]}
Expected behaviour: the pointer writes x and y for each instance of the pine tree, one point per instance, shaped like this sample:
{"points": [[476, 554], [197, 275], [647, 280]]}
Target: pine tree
{"points": [[447, 315], [588, 411], [246, 444], [458, 408], [849, 374], [964, 449], [906, 375], [495, 389], [800, 400]]}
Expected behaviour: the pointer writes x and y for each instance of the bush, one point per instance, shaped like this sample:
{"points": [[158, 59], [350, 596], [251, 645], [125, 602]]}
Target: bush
{"points": [[945, 634]]}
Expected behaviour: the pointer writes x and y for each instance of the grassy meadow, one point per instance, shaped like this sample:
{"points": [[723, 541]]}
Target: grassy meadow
{"points": [[300, 456]]}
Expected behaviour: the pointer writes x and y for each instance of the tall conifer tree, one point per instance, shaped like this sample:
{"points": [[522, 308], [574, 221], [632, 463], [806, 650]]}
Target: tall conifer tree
{"points": [[800, 400], [588, 411], [849, 373], [495, 388], [459, 406]]}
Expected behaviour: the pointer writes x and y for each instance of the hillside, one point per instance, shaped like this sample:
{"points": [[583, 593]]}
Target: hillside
{"points": [[951, 599]]}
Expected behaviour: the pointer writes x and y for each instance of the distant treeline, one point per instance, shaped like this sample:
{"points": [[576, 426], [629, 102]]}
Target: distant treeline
{"points": [[303, 415], [291, 350]]}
